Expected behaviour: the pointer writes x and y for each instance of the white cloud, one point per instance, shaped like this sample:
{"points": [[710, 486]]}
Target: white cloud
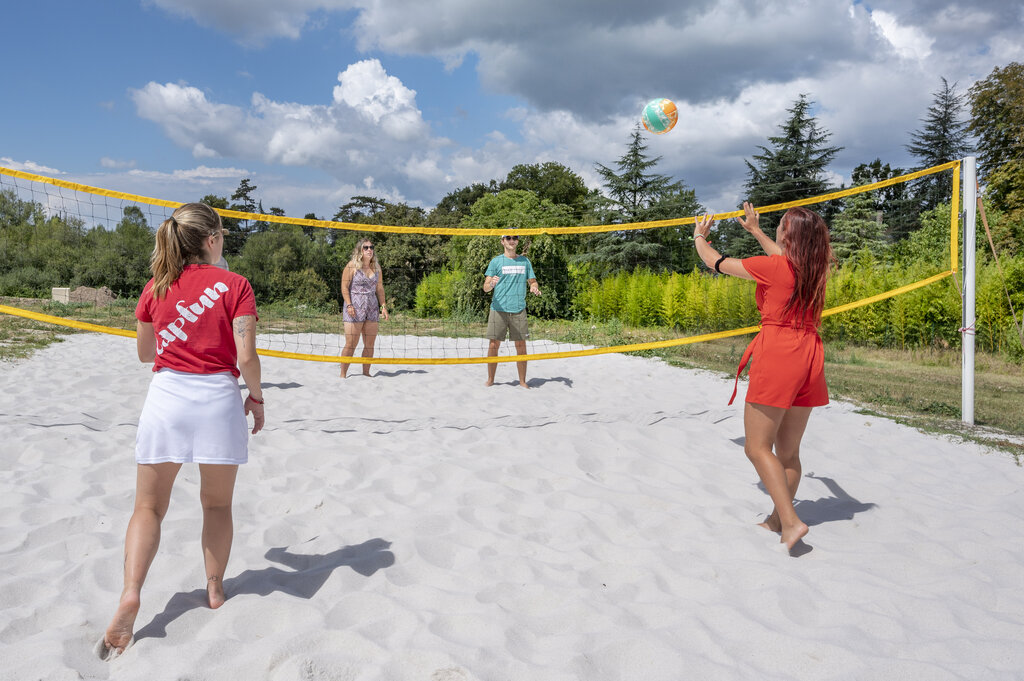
{"points": [[594, 58], [383, 99], [371, 123], [370, 135], [115, 164], [252, 20], [200, 150], [909, 42], [201, 174], [579, 71], [28, 166]]}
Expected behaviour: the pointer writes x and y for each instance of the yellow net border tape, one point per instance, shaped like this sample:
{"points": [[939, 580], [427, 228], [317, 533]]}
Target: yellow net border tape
{"points": [[954, 220], [60, 321], [453, 231], [653, 345]]}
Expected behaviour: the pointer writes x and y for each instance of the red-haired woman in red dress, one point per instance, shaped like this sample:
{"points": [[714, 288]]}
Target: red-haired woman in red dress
{"points": [[787, 377]]}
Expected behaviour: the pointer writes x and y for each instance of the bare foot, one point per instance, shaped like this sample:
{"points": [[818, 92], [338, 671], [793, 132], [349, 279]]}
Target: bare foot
{"points": [[215, 592], [489, 383], [119, 634], [792, 534], [772, 522], [523, 385], [366, 373]]}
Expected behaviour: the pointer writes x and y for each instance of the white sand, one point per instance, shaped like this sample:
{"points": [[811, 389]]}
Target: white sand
{"points": [[420, 526]]}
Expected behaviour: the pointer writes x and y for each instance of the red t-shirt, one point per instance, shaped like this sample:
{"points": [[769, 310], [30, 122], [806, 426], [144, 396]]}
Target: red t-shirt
{"points": [[192, 322], [775, 282]]}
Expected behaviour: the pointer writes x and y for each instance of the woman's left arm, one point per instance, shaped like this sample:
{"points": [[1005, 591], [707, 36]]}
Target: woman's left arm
{"points": [[244, 329], [380, 295], [711, 257]]}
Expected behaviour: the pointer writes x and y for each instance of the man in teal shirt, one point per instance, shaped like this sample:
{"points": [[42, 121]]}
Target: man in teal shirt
{"points": [[508, 275]]}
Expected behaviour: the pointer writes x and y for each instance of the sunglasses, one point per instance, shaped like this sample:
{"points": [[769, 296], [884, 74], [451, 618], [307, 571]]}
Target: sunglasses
{"points": [[511, 238], [367, 247]]}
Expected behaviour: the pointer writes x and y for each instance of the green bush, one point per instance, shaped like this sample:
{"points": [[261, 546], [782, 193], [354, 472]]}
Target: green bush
{"points": [[643, 298], [437, 294], [929, 316], [27, 282], [304, 286]]}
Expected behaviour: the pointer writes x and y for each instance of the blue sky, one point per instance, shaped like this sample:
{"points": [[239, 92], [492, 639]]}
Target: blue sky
{"points": [[319, 100]]}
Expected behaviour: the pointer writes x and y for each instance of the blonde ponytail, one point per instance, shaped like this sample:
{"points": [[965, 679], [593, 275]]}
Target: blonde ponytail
{"points": [[179, 242]]}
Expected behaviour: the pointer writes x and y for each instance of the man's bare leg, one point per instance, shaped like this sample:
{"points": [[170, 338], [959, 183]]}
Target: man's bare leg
{"points": [[492, 367], [521, 366]]}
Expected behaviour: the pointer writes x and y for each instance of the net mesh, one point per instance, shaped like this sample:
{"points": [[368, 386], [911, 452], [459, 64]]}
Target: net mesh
{"points": [[438, 318]]}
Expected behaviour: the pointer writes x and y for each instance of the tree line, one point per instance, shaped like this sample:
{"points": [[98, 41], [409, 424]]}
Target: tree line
{"points": [[435, 274]]}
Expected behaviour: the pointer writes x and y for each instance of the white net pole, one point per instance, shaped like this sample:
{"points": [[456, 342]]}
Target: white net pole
{"points": [[969, 320]]}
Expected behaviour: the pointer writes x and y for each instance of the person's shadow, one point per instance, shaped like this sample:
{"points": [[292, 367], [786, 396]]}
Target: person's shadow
{"points": [[399, 372], [538, 382], [307, 575], [281, 386], [840, 506]]}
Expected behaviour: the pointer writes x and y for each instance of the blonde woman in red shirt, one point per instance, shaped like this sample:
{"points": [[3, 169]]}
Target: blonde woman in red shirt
{"points": [[787, 378], [197, 323]]}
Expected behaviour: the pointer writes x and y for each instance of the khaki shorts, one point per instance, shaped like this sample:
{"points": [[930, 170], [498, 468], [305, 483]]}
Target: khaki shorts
{"points": [[511, 324]]}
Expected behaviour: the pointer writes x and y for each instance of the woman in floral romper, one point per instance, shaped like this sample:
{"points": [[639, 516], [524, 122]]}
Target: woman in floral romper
{"points": [[362, 287]]}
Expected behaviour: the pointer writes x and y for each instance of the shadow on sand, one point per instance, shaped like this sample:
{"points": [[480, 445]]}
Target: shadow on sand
{"points": [[839, 506], [538, 382], [400, 372], [307, 574]]}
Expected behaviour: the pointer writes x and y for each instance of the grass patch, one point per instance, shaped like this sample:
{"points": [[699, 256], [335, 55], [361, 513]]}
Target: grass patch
{"points": [[20, 337], [920, 388]]}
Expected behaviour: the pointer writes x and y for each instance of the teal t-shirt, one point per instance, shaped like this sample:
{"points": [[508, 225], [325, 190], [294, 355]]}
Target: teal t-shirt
{"points": [[510, 293]]}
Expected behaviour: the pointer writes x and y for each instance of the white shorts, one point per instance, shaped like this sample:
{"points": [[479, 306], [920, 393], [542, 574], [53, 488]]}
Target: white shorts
{"points": [[192, 418]]}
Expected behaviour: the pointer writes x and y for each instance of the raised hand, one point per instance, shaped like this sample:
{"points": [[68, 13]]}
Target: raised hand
{"points": [[702, 225], [750, 219]]}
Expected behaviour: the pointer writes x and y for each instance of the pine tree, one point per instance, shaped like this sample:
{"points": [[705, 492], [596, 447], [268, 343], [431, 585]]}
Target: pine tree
{"points": [[858, 227], [233, 240], [240, 230], [635, 194], [792, 168], [896, 203], [943, 138]]}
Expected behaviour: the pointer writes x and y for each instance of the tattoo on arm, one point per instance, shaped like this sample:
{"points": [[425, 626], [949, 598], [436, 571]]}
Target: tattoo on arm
{"points": [[241, 326]]}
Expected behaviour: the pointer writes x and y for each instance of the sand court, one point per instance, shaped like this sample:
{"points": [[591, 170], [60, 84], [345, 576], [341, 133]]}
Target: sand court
{"points": [[420, 526]]}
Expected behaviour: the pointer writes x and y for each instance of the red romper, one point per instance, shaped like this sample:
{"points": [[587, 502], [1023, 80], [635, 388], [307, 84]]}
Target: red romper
{"points": [[789, 360]]}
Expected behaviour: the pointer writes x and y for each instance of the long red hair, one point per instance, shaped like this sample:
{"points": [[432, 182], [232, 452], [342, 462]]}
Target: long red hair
{"points": [[806, 243]]}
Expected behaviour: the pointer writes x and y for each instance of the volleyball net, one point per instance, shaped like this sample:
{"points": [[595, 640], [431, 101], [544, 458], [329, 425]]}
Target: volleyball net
{"points": [[57, 234]]}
